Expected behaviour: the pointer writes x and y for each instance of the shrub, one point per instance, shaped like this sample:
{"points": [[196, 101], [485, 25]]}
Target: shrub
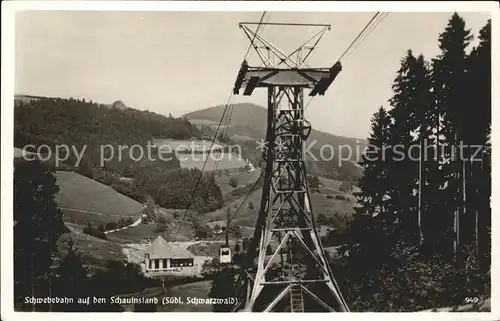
{"points": [[346, 186], [110, 226], [161, 228], [408, 281], [321, 219], [233, 182], [202, 232], [313, 181], [89, 230], [245, 243]]}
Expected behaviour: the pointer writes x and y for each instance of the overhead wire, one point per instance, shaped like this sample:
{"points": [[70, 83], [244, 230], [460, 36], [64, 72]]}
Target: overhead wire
{"points": [[363, 34], [367, 33], [252, 189], [201, 175], [215, 137], [358, 36], [260, 27]]}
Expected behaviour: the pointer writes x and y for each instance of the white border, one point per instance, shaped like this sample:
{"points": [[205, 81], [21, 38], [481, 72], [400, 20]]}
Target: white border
{"points": [[8, 10]]}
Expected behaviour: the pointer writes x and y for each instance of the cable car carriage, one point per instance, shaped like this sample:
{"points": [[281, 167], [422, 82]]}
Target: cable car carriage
{"points": [[225, 255]]}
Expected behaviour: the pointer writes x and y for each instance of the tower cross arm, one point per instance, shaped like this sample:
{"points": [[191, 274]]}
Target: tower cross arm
{"points": [[317, 79]]}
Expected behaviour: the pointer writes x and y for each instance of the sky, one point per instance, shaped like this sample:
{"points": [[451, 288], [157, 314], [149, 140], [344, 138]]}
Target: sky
{"points": [[177, 62]]}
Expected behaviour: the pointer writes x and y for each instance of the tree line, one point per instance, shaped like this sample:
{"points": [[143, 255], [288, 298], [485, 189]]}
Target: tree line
{"points": [[425, 221]]}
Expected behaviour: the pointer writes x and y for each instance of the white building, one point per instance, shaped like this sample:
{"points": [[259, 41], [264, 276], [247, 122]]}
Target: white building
{"points": [[163, 257]]}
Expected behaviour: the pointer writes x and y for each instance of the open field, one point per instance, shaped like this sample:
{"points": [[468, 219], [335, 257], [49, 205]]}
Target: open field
{"points": [[194, 157], [82, 217], [241, 138], [226, 161], [245, 217], [335, 184], [209, 249], [140, 232], [242, 179], [85, 200], [331, 206], [25, 99], [176, 145], [203, 122], [94, 250], [330, 183]]}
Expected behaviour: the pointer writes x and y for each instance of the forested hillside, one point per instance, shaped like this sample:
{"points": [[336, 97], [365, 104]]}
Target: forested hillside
{"points": [[78, 123], [75, 122]]}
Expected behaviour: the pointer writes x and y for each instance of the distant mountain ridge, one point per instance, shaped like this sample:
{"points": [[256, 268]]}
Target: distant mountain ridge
{"points": [[250, 120]]}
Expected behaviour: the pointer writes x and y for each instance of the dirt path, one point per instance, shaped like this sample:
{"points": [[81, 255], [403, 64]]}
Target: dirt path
{"points": [[137, 222]]}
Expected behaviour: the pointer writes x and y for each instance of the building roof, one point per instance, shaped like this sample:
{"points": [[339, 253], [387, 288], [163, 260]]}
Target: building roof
{"points": [[213, 224], [161, 249]]}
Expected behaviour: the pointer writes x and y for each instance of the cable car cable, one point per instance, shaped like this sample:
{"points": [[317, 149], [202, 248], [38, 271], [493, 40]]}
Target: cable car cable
{"points": [[368, 29], [231, 108], [214, 138]]}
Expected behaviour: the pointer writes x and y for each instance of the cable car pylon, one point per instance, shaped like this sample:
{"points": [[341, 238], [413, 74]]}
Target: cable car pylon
{"points": [[295, 275]]}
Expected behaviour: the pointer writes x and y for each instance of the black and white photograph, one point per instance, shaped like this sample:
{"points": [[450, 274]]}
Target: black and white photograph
{"points": [[276, 158]]}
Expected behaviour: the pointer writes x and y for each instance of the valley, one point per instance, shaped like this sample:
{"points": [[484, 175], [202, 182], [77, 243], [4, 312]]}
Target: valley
{"points": [[109, 215]]}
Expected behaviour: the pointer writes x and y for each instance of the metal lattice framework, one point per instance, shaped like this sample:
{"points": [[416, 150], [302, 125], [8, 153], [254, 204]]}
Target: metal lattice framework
{"points": [[285, 267]]}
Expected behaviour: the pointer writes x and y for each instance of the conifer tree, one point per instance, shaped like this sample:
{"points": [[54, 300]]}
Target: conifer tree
{"points": [[373, 184], [370, 234], [423, 113], [401, 166], [223, 287], [37, 227], [73, 280], [450, 87], [477, 133]]}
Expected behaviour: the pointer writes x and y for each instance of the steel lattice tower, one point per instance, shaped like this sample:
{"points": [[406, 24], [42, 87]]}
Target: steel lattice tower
{"points": [[296, 276]]}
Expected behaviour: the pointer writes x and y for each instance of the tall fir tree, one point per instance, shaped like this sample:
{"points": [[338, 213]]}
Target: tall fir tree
{"points": [[402, 163], [450, 88], [37, 227], [369, 238], [423, 100], [223, 287], [373, 184], [477, 135], [73, 279]]}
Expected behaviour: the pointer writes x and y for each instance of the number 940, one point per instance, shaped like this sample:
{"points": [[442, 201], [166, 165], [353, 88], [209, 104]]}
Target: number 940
{"points": [[473, 299]]}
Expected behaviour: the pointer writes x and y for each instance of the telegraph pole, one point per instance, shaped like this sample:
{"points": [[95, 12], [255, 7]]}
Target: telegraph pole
{"points": [[296, 277]]}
